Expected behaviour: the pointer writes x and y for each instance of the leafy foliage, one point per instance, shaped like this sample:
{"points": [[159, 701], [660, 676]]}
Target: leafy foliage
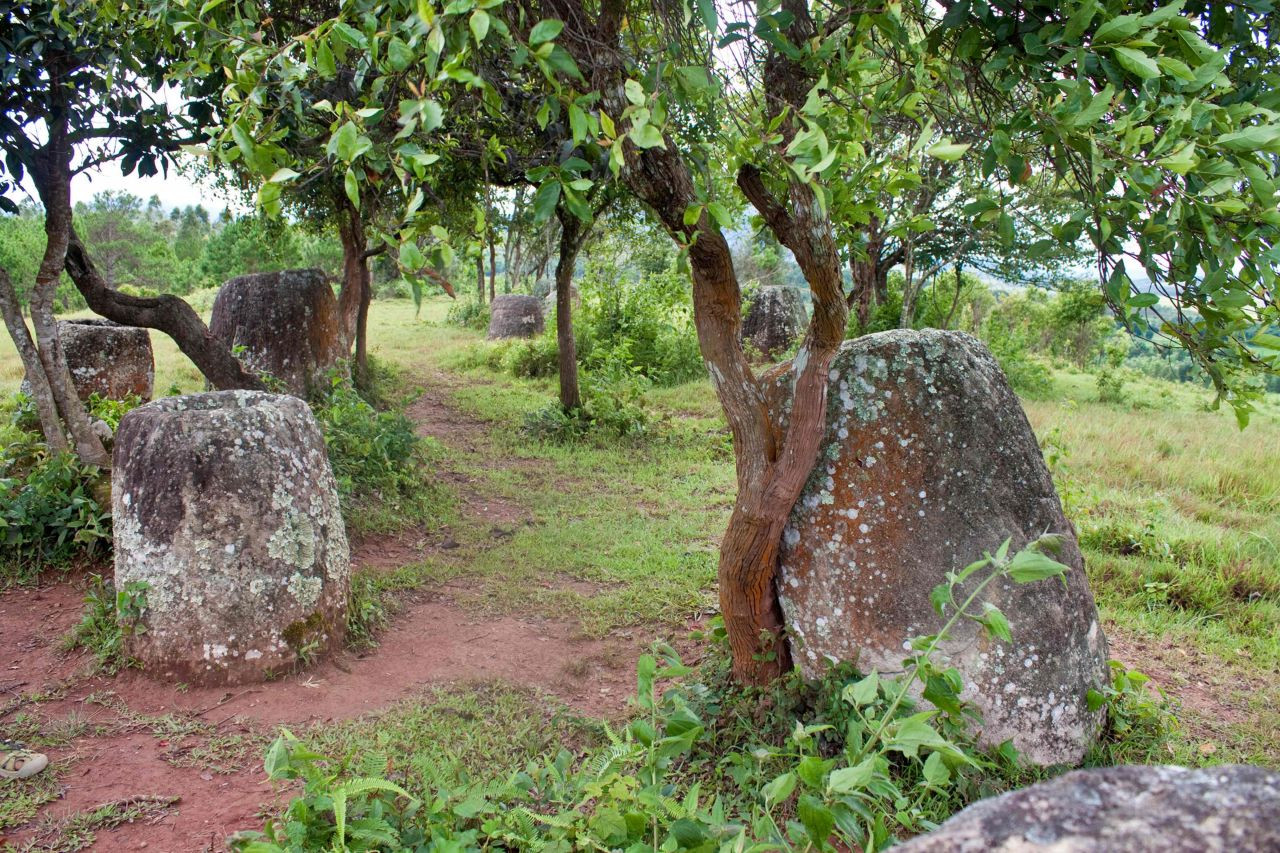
{"points": [[378, 460], [53, 508]]}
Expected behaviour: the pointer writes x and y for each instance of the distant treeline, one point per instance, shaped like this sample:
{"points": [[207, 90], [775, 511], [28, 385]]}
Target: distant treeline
{"points": [[144, 248]]}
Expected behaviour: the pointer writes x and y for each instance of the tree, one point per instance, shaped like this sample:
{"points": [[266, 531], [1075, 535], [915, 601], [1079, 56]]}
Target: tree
{"points": [[79, 82], [1129, 109]]}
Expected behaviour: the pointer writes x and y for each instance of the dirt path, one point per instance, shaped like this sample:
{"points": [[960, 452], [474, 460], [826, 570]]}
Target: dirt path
{"points": [[128, 736]]}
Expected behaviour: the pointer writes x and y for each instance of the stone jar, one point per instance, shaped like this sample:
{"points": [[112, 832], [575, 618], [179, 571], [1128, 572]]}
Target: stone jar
{"points": [[228, 537]]}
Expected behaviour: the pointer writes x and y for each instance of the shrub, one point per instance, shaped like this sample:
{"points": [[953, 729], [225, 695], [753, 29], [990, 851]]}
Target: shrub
{"points": [[640, 325], [611, 409], [469, 313], [53, 508], [378, 461]]}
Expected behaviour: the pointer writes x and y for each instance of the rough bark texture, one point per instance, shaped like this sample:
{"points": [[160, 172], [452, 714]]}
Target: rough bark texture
{"points": [[515, 315], [1130, 809], [355, 267], [573, 232], [775, 320], [108, 359], [225, 506], [287, 323], [57, 229], [41, 393], [928, 462]]}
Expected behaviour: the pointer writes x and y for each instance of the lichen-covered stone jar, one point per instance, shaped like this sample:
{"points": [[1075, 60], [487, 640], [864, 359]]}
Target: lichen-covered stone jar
{"points": [[229, 538]]}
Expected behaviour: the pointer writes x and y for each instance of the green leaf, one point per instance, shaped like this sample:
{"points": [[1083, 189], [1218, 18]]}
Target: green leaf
{"points": [[1120, 28], [812, 770], [283, 174], [634, 92], [545, 31], [779, 789], [432, 116], [1095, 109], [1266, 341], [1182, 160], [687, 833], [1028, 566], [411, 257], [1143, 300], [479, 24], [1259, 137], [707, 10], [935, 770], [325, 62], [994, 620], [577, 122], [816, 818], [947, 151], [352, 187], [847, 780], [399, 54], [647, 136], [1137, 62], [864, 691]]}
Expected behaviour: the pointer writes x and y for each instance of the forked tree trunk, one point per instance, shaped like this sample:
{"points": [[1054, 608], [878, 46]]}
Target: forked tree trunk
{"points": [[573, 233], [41, 393], [772, 464]]}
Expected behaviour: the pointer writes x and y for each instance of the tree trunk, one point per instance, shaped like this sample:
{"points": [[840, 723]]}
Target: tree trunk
{"points": [[493, 269], [772, 464], [573, 233], [480, 274], [910, 288], [355, 267], [57, 231], [41, 393], [361, 372], [864, 276]]}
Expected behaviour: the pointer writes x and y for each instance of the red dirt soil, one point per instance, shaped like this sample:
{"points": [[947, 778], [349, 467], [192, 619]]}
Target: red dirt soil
{"points": [[431, 642]]}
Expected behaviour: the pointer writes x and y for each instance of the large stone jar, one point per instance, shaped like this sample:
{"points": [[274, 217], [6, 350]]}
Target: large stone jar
{"points": [[285, 324], [928, 462], [229, 540], [514, 315]]}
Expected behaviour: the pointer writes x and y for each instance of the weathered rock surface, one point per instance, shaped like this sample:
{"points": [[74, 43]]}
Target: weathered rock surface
{"points": [[928, 461], [549, 301], [515, 315], [1122, 809], [108, 359], [225, 506], [775, 319], [288, 324]]}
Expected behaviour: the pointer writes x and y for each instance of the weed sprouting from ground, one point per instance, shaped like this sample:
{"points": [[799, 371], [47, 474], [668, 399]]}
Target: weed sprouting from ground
{"points": [[110, 615]]}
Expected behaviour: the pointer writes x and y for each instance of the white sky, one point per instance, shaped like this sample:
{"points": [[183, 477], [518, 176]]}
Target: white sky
{"points": [[176, 190]]}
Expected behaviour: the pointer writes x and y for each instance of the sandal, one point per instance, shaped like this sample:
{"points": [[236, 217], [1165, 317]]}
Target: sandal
{"points": [[17, 762]]}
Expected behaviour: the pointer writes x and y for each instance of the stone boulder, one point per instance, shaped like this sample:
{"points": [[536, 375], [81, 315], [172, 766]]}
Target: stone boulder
{"points": [[108, 359], [288, 324], [515, 315], [775, 319], [225, 507], [928, 462], [1131, 809], [549, 301]]}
